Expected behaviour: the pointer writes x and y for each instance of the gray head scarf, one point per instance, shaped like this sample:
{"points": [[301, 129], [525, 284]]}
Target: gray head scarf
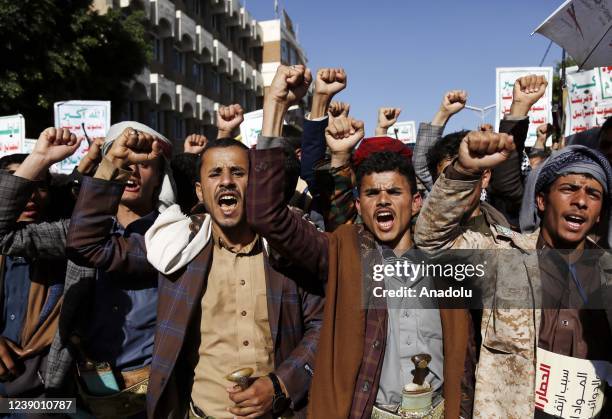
{"points": [[572, 159], [167, 194]]}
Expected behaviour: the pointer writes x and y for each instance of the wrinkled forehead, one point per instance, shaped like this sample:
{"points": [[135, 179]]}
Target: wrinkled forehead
{"points": [[220, 157], [581, 179], [384, 181]]}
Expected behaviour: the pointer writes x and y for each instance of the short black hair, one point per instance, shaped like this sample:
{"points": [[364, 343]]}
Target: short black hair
{"points": [[387, 161], [184, 170], [445, 148], [6, 161], [218, 143]]}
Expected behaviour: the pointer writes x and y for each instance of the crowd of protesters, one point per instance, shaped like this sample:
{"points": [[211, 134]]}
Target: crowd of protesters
{"points": [[140, 281]]}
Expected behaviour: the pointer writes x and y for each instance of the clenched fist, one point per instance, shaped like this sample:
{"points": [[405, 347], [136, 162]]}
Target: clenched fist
{"points": [[386, 118], [195, 144], [342, 135], [527, 91], [338, 109], [133, 147], [229, 119], [484, 150], [55, 144], [453, 101], [290, 84], [330, 81]]}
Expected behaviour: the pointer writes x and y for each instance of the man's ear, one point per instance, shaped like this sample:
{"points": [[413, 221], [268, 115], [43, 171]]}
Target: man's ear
{"points": [[417, 203], [358, 206], [199, 192], [485, 179], [541, 201]]}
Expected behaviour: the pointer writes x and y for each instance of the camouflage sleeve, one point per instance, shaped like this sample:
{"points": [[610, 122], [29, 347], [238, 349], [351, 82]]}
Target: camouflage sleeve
{"points": [[342, 208], [449, 202]]}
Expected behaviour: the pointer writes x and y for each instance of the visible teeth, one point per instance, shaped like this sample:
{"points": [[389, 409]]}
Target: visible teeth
{"points": [[228, 200], [131, 183]]}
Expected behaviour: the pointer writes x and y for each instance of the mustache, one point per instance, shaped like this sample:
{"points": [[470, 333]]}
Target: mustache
{"points": [[227, 189]]}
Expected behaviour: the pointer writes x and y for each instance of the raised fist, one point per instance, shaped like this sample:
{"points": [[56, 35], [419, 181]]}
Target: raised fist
{"points": [[484, 150], [386, 118], [544, 130], [338, 109], [330, 81], [194, 144], [343, 133], [133, 147], [55, 144], [453, 101], [290, 84], [527, 91], [229, 118]]}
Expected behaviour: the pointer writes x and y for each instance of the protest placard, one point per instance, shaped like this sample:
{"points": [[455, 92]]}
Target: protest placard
{"points": [[85, 119], [541, 111], [12, 133], [251, 127], [404, 131], [589, 98], [567, 387]]}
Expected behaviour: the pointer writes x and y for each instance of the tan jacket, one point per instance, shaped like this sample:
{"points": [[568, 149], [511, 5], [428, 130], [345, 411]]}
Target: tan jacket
{"points": [[506, 371]]}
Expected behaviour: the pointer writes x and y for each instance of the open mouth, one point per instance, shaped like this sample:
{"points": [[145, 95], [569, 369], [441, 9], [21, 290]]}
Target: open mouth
{"points": [[227, 202], [30, 210], [384, 219], [132, 186], [574, 222]]}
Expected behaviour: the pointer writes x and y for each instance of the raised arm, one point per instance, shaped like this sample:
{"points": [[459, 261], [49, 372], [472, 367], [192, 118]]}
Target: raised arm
{"points": [[295, 238], [342, 135], [90, 241], [386, 118], [328, 83], [452, 102], [229, 119], [506, 186], [34, 240], [456, 193]]}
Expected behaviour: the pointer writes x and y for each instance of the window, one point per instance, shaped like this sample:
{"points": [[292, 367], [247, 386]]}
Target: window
{"points": [[284, 52], [179, 61], [216, 83], [197, 72], [293, 57], [156, 121], [216, 22], [179, 127], [196, 7], [158, 49]]}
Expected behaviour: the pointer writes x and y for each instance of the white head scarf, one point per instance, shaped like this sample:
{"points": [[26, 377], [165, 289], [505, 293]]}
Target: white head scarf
{"points": [[167, 194]]}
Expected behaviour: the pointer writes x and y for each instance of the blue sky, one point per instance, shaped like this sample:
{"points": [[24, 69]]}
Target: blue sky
{"points": [[406, 53]]}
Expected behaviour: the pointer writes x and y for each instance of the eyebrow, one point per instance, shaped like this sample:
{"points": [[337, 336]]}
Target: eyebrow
{"points": [[220, 168], [579, 186], [377, 190]]}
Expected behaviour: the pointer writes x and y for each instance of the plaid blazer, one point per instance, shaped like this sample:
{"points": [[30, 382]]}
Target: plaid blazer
{"points": [[44, 241], [295, 316], [295, 313]]}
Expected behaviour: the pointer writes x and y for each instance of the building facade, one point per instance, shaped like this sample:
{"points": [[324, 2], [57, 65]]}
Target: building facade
{"points": [[206, 53], [281, 46]]}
